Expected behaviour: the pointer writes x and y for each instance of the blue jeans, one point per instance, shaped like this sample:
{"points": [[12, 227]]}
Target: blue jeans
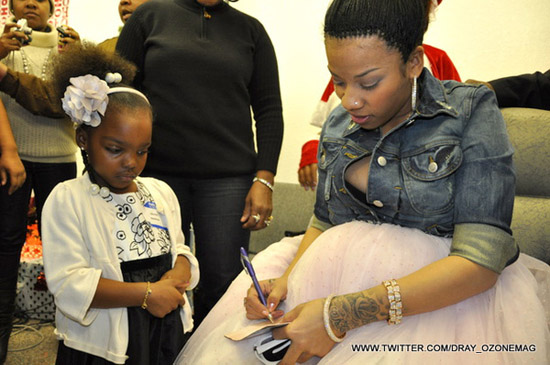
{"points": [[42, 178], [214, 207]]}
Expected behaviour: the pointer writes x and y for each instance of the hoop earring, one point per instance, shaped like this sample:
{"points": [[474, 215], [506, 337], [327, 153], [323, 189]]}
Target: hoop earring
{"points": [[413, 96]]}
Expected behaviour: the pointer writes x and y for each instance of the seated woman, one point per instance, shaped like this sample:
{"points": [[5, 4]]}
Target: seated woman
{"points": [[411, 226]]}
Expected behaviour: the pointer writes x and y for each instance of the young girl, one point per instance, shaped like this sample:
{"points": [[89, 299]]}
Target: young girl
{"points": [[114, 253]]}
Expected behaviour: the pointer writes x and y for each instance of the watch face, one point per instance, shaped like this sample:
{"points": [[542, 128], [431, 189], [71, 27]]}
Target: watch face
{"points": [[269, 350]]}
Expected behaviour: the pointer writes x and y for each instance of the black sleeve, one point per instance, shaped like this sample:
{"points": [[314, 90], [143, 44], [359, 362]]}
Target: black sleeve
{"points": [[266, 103], [130, 45], [529, 91]]}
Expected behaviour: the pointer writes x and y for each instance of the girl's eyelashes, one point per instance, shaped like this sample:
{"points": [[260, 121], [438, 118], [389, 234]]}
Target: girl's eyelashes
{"points": [[113, 150], [117, 150]]}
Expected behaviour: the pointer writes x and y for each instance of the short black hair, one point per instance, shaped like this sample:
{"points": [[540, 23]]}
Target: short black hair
{"points": [[400, 23]]}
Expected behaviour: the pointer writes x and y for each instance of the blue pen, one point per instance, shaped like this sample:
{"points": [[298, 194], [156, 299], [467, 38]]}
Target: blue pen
{"points": [[247, 265]]}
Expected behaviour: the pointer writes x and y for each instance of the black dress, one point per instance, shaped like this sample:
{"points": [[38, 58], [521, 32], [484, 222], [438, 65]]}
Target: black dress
{"points": [[151, 340]]}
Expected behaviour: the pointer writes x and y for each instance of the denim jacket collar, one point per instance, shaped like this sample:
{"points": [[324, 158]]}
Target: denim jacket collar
{"points": [[432, 101]]}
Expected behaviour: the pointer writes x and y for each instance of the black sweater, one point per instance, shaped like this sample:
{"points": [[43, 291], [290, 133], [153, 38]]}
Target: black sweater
{"points": [[528, 91], [203, 69]]}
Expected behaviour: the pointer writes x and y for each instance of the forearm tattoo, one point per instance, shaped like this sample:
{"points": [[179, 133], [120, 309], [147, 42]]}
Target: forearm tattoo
{"points": [[357, 309]]}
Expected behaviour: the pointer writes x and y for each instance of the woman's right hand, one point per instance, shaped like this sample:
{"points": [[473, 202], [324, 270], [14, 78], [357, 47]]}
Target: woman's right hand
{"points": [[12, 171], [11, 40], [275, 290], [165, 297]]}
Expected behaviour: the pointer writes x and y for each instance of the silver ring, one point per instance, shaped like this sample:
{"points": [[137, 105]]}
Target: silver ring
{"points": [[256, 217]]}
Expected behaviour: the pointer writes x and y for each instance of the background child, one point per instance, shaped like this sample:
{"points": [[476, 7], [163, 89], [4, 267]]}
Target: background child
{"points": [[114, 253]]}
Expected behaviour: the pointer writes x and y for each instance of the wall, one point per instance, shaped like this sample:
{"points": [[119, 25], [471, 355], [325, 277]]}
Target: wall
{"points": [[485, 39]]}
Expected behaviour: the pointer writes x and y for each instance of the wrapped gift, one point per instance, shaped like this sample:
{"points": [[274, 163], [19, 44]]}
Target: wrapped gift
{"points": [[33, 296]]}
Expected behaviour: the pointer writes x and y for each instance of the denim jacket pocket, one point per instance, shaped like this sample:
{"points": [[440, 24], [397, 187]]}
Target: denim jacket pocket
{"points": [[428, 177]]}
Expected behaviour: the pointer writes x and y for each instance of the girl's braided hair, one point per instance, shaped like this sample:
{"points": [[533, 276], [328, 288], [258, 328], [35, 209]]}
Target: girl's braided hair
{"points": [[400, 23]]}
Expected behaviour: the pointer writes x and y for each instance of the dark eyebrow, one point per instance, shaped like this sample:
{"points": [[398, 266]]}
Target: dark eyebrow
{"points": [[117, 141], [366, 72], [113, 139], [360, 75]]}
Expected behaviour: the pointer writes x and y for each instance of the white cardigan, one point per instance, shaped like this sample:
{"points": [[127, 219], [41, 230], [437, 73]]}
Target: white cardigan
{"points": [[78, 247]]}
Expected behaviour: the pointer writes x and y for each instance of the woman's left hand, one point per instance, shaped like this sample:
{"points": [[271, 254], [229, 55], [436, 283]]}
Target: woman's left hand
{"points": [[66, 41], [307, 332], [258, 205]]}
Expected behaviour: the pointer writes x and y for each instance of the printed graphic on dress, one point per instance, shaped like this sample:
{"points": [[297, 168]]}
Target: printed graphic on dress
{"points": [[143, 236]]}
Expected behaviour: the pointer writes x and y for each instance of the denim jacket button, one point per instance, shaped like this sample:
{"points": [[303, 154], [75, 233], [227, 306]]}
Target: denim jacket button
{"points": [[432, 167], [378, 203], [382, 161]]}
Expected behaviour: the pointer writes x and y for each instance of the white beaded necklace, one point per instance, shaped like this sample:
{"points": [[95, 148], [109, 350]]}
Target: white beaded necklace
{"points": [[103, 191], [26, 68]]}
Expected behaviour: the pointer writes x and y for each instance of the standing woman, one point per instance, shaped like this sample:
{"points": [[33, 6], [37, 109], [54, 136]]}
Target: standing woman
{"points": [[46, 146], [204, 65]]}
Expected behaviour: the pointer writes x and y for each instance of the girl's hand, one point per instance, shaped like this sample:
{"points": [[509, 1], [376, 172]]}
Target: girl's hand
{"points": [[307, 332], [258, 204], [181, 271], [11, 167], [165, 297], [275, 290]]}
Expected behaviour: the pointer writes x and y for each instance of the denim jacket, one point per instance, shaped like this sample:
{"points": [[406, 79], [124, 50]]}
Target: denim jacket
{"points": [[447, 170]]}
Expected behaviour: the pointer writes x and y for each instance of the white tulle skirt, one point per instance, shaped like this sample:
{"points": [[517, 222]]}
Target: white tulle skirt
{"points": [[508, 324]]}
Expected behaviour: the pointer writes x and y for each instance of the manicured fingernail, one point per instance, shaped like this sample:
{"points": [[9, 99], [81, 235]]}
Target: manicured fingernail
{"points": [[271, 305]]}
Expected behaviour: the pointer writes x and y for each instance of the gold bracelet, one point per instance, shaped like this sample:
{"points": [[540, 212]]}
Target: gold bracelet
{"points": [[394, 297], [147, 293]]}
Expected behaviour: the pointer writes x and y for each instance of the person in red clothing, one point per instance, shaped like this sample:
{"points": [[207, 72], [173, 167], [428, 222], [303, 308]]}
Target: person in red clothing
{"points": [[435, 59]]}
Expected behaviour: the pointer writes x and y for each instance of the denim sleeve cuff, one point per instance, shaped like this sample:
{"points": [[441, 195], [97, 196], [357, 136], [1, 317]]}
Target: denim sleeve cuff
{"points": [[486, 245], [319, 224]]}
